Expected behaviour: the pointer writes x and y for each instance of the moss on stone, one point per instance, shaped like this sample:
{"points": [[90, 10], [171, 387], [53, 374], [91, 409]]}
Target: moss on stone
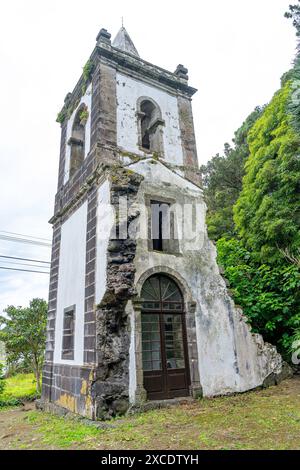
{"points": [[88, 70], [61, 116]]}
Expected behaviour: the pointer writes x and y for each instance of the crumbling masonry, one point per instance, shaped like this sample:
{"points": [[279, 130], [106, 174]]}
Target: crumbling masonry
{"points": [[146, 317]]}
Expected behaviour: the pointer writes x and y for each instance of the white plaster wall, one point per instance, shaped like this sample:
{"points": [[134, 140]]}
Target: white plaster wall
{"points": [[71, 282], [230, 358], [132, 361], [105, 222], [155, 171], [129, 91], [87, 100]]}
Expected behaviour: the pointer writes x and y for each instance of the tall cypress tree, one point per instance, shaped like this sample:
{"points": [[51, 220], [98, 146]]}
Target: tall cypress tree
{"points": [[222, 181], [267, 213]]}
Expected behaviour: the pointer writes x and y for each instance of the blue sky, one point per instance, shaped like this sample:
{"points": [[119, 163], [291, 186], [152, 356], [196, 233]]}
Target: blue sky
{"points": [[235, 50]]}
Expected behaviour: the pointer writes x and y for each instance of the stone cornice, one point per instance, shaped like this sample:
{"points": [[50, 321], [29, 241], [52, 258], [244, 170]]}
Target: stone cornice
{"points": [[99, 173], [131, 63], [140, 68]]}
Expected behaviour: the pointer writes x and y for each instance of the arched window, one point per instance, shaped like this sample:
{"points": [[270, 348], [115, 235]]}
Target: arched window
{"points": [[150, 126], [164, 345], [160, 292], [77, 140]]}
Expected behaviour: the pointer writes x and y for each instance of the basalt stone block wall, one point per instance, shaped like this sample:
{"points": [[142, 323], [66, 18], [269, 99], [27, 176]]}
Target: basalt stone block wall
{"points": [[70, 389], [49, 347], [192, 172], [63, 142], [89, 311], [107, 126]]}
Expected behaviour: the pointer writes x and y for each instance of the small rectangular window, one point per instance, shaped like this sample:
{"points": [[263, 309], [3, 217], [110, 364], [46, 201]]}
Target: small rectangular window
{"points": [[160, 226], [68, 333]]}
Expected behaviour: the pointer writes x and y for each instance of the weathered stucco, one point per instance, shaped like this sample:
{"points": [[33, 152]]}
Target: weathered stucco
{"points": [[230, 358], [105, 221], [128, 93], [110, 388]]}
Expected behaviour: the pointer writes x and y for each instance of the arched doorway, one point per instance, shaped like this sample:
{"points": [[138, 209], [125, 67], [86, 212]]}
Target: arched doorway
{"points": [[164, 344]]}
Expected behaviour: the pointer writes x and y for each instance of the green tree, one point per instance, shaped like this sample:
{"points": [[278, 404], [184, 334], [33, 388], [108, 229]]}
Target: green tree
{"points": [[253, 198], [269, 295], [222, 181], [267, 213], [293, 105], [24, 334], [294, 14]]}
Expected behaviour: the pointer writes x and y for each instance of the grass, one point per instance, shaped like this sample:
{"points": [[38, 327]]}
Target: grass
{"points": [[18, 388], [61, 432], [266, 419]]}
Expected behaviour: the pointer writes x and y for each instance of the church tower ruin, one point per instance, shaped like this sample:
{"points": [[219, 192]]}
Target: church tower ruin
{"points": [[138, 309]]}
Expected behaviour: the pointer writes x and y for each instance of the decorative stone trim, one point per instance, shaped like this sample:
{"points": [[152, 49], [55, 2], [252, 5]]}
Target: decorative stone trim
{"points": [[144, 69], [190, 309]]}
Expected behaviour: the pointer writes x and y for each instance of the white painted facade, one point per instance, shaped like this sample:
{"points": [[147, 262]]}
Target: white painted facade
{"points": [[223, 356], [87, 100], [105, 221], [129, 91], [230, 358], [71, 282], [132, 352]]}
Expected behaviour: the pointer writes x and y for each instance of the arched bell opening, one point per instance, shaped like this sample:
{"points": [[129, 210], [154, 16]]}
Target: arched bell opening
{"points": [[150, 124]]}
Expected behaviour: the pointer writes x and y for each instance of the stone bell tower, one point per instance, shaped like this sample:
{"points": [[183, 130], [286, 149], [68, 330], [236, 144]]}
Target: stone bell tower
{"points": [[137, 307]]}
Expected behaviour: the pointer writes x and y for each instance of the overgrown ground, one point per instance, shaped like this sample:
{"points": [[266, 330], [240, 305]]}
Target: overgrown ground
{"points": [[20, 387], [266, 419]]}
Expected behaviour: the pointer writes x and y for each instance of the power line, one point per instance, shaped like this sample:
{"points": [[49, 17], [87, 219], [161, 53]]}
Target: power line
{"points": [[22, 235], [23, 240], [25, 270], [26, 259], [25, 264]]}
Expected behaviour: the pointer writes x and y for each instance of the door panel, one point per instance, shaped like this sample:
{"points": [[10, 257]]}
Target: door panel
{"points": [[173, 339], [151, 342], [164, 346], [177, 383], [154, 384]]}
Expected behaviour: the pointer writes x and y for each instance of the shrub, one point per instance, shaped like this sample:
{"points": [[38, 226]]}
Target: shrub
{"points": [[269, 295]]}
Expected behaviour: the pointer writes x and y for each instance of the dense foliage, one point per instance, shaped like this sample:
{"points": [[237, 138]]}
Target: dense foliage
{"points": [[253, 199], [269, 295], [267, 213], [222, 181], [294, 75], [24, 334]]}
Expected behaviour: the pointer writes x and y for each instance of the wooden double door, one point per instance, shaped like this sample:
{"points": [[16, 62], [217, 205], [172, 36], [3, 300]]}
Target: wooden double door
{"points": [[164, 344]]}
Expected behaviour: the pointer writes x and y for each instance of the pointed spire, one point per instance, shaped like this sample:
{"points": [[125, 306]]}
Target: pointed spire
{"points": [[123, 41]]}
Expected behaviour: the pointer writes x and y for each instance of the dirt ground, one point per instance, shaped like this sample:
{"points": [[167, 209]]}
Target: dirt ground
{"points": [[265, 419]]}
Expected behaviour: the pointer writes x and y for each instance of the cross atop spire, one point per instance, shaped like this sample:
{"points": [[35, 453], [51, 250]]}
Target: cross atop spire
{"points": [[123, 41]]}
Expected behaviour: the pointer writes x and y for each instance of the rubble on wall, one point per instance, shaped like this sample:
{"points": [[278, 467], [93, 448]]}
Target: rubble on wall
{"points": [[110, 387]]}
